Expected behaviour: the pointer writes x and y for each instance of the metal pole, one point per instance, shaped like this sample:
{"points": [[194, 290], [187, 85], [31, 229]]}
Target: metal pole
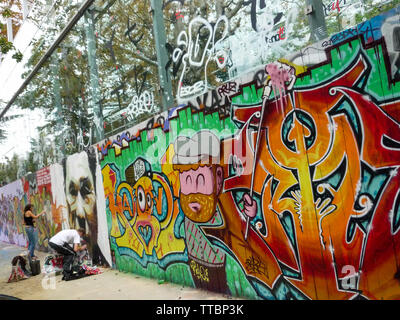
{"points": [[10, 36], [162, 54], [57, 101], [316, 20], [95, 101]]}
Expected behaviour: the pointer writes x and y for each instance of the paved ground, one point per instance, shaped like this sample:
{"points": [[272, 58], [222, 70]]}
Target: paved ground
{"points": [[110, 285]]}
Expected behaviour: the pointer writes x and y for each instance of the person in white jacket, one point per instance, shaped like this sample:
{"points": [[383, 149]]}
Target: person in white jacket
{"points": [[67, 243]]}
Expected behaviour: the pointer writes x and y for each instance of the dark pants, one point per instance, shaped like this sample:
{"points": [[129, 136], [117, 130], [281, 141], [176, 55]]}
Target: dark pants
{"points": [[68, 253]]}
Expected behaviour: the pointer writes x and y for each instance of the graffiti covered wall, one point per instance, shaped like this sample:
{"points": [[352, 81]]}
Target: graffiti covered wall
{"points": [[282, 183], [11, 219], [68, 194], [290, 192], [35, 188]]}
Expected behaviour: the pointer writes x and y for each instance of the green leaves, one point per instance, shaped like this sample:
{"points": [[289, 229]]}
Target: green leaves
{"points": [[6, 12], [17, 56], [5, 45]]}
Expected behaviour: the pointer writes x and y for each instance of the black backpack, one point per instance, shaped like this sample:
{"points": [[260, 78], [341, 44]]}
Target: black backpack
{"points": [[35, 267]]}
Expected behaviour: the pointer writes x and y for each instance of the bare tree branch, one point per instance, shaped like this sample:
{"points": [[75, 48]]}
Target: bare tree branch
{"points": [[230, 13]]}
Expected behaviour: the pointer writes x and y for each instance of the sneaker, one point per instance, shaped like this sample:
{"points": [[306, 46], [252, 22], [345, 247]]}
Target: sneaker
{"points": [[71, 277], [82, 271], [66, 276]]}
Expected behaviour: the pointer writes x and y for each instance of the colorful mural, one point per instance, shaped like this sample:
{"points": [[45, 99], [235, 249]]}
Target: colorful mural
{"points": [[80, 188], [292, 192], [68, 196], [37, 191], [281, 184], [11, 214]]}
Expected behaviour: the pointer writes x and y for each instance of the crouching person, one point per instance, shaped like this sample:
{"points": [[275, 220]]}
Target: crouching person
{"points": [[67, 243]]}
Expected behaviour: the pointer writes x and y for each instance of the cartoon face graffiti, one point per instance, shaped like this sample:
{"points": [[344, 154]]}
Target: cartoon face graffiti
{"points": [[81, 197], [146, 226], [199, 192], [144, 196], [200, 178]]}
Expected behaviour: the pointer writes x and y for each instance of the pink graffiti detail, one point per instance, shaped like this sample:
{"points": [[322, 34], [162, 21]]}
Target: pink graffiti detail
{"points": [[337, 6], [279, 76], [197, 181], [178, 15], [281, 33]]}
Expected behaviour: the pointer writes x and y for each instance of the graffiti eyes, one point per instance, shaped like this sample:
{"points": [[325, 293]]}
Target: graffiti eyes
{"points": [[72, 189], [141, 199], [85, 187], [200, 180], [148, 201]]}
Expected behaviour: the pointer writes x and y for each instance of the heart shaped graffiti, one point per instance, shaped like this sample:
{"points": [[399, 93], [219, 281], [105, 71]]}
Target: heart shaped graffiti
{"points": [[146, 233]]}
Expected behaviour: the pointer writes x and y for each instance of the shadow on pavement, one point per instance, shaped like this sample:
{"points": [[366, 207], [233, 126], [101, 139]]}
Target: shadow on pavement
{"points": [[5, 297]]}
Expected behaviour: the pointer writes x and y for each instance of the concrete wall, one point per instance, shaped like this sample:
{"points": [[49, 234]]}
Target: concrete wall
{"points": [[322, 200], [313, 214], [72, 195]]}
